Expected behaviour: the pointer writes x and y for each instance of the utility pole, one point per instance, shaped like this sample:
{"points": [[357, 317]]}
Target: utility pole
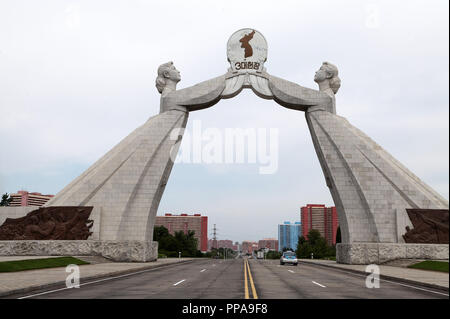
{"points": [[214, 237]]}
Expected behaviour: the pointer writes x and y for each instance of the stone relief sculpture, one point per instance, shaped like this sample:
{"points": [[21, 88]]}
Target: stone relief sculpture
{"points": [[430, 226], [49, 223]]}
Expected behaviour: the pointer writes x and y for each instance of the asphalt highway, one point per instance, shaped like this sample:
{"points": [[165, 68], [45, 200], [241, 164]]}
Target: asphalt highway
{"points": [[239, 279]]}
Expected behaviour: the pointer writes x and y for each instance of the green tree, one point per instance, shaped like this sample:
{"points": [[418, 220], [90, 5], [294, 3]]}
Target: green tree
{"points": [[315, 244], [160, 232], [170, 246], [188, 243], [303, 248], [6, 200]]}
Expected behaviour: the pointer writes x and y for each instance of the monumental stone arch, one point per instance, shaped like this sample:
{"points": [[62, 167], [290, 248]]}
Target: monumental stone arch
{"points": [[371, 190]]}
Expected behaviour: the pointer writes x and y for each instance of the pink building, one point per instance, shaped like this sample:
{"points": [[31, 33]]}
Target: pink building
{"points": [[24, 198], [226, 243], [324, 219], [270, 243], [249, 246], [185, 222]]}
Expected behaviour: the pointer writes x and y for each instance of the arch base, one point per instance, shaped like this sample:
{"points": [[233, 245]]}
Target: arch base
{"points": [[378, 253]]}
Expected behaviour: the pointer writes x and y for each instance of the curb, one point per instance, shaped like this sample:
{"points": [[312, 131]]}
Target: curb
{"points": [[62, 284], [395, 279]]}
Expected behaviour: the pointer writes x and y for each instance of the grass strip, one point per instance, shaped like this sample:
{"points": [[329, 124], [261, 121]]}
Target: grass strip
{"points": [[29, 264], [431, 265]]}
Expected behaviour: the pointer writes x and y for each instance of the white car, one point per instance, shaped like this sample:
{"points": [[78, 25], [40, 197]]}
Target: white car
{"points": [[289, 257]]}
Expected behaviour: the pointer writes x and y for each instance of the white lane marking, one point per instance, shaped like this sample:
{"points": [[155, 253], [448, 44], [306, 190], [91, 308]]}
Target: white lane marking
{"points": [[92, 282], [176, 284], [319, 284], [202, 270], [88, 283], [392, 282], [291, 271], [44, 293]]}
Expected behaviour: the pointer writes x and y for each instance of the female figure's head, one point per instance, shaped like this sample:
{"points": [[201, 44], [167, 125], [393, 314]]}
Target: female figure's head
{"points": [[168, 77], [327, 77]]}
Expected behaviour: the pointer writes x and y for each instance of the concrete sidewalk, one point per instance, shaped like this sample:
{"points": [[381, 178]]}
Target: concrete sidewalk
{"points": [[426, 278], [32, 280]]}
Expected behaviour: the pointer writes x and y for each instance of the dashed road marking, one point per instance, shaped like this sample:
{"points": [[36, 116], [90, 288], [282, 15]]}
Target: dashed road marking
{"points": [[202, 270], [291, 271], [318, 284], [392, 282], [91, 282], [176, 284]]}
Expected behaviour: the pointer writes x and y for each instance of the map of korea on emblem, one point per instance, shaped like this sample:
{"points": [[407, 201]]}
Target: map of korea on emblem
{"points": [[247, 51]]}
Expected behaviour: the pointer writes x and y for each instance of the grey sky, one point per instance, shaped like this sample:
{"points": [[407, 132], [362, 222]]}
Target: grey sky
{"points": [[78, 76]]}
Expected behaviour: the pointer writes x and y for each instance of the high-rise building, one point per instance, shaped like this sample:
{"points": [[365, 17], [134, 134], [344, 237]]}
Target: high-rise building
{"points": [[185, 222], [324, 219], [288, 235], [269, 243], [24, 198]]}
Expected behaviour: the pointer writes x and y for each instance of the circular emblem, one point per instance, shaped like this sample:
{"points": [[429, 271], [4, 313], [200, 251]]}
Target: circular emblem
{"points": [[247, 51]]}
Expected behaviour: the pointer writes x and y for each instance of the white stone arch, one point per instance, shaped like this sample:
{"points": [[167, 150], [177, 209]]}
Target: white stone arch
{"points": [[371, 190]]}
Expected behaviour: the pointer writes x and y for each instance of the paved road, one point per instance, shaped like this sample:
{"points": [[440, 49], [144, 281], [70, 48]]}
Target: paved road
{"points": [[232, 279], [310, 281]]}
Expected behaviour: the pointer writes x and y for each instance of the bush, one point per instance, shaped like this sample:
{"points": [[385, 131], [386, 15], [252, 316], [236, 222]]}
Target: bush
{"points": [[170, 246], [167, 253], [315, 244], [273, 254]]}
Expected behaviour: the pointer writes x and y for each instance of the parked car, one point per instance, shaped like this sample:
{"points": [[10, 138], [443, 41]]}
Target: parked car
{"points": [[289, 257]]}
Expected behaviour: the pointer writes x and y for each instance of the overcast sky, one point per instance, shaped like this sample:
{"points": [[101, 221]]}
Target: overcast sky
{"points": [[78, 76]]}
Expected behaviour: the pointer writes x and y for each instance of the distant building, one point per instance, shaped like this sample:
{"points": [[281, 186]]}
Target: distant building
{"points": [[248, 247], [324, 219], [185, 222], [24, 198], [226, 243], [269, 243], [288, 235]]}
